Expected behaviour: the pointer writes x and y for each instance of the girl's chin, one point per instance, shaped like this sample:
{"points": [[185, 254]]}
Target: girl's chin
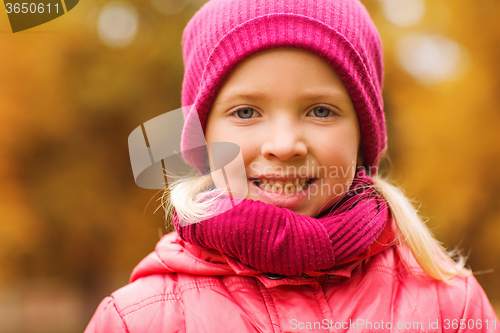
{"points": [[299, 209]]}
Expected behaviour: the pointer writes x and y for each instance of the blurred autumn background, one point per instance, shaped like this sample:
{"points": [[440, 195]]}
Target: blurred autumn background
{"points": [[73, 224]]}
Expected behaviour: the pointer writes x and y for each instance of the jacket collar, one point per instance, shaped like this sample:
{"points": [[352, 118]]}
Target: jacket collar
{"points": [[173, 255]]}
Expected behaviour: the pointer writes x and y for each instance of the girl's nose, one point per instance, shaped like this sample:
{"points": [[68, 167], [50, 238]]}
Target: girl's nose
{"points": [[284, 140]]}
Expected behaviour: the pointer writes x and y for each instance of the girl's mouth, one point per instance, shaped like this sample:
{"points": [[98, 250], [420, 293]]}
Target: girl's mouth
{"points": [[280, 186], [282, 193]]}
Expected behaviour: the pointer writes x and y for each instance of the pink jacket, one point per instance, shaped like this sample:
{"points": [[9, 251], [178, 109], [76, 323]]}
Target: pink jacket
{"points": [[182, 288]]}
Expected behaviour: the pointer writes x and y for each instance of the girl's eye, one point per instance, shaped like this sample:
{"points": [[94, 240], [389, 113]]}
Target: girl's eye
{"points": [[245, 113], [322, 112]]}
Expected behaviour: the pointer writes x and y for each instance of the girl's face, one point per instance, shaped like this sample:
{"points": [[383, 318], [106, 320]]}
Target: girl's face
{"points": [[295, 122]]}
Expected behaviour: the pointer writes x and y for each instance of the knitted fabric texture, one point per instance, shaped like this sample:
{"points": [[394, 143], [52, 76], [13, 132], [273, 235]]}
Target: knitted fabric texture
{"points": [[277, 240], [224, 32]]}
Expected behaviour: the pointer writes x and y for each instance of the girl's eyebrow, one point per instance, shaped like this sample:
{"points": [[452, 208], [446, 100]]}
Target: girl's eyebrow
{"points": [[326, 93], [255, 95], [309, 95]]}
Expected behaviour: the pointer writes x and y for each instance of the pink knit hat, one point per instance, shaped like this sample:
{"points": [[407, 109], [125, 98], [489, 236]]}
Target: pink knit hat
{"points": [[224, 32]]}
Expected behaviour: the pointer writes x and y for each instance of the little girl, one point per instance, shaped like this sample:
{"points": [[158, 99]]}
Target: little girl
{"points": [[311, 238]]}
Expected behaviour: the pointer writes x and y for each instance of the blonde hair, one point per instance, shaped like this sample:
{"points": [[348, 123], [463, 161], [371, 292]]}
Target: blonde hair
{"points": [[429, 253], [185, 196]]}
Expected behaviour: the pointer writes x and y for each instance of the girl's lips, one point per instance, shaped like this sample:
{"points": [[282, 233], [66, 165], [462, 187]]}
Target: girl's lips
{"points": [[282, 200]]}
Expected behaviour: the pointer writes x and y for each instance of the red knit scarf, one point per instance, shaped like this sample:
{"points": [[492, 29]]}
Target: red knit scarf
{"points": [[277, 240]]}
